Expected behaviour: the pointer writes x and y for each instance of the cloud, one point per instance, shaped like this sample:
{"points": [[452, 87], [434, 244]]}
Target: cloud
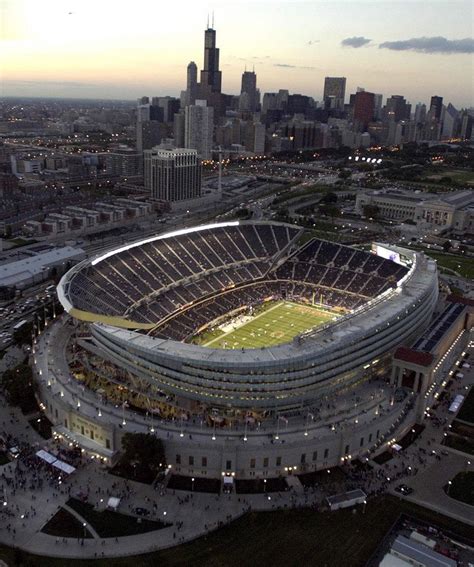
{"points": [[286, 66], [437, 44], [356, 41]]}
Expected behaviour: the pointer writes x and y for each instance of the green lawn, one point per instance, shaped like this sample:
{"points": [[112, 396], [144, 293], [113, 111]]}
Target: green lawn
{"points": [[463, 176], [462, 487], [278, 323], [289, 538], [114, 524], [466, 413], [460, 264], [64, 524]]}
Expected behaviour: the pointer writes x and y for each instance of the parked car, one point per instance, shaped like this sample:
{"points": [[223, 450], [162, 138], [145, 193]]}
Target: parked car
{"points": [[404, 489], [141, 511]]}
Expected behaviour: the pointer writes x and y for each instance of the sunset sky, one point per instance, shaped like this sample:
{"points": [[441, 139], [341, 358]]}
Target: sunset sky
{"points": [[124, 49]]}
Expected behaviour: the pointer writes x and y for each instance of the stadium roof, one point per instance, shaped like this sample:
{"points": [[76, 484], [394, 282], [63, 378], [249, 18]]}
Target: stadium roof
{"points": [[421, 554]]}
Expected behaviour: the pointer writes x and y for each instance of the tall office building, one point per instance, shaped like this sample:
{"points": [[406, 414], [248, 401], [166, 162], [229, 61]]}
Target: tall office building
{"points": [[192, 83], [397, 108], [211, 77], [334, 92], [364, 108], [248, 91], [436, 107], [148, 126], [198, 128], [378, 101], [420, 113], [172, 175]]}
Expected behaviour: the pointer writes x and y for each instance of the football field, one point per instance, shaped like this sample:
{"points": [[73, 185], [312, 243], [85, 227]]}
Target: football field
{"points": [[279, 323]]}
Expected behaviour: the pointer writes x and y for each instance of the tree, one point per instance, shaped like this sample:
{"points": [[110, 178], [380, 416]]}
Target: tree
{"points": [[371, 211], [23, 335], [329, 197], [143, 451], [446, 245], [330, 210], [345, 174], [18, 384]]}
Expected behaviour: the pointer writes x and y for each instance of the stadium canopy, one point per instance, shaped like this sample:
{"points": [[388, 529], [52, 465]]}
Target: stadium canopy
{"points": [[113, 502], [45, 456], [456, 403], [68, 469]]}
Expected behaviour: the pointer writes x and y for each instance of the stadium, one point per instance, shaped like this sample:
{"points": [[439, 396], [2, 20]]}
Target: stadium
{"points": [[232, 342]]}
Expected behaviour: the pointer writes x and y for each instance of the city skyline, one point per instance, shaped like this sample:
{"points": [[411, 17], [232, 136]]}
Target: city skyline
{"points": [[409, 48]]}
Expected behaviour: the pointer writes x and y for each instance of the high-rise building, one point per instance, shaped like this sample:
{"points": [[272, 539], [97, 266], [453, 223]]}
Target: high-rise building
{"points": [[211, 77], [123, 161], [436, 107], [178, 129], [451, 122], [192, 85], [255, 137], [334, 92], [378, 100], [148, 128], [248, 91], [198, 128], [364, 108], [420, 113], [397, 108], [172, 175]]}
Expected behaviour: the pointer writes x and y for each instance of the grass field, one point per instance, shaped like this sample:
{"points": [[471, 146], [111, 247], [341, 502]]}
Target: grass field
{"points": [[278, 323], [287, 538], [460, 264]]}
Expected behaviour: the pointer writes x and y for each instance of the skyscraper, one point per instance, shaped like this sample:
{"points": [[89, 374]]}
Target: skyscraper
{"points": [[397, 108], [436, 107], [198, 128], [148, 128], [192, 85], [334, 92], [248, 91], [211, 77], [172, 175], [364, 107]]}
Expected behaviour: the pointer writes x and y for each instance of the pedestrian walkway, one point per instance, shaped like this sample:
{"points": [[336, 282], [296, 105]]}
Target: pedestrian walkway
{"points": [[33, 497]]}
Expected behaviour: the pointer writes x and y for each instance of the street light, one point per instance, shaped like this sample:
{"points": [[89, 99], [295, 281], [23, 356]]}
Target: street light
{"points": [[192, 484], [84, 527], [264, 485], [449, 486]]}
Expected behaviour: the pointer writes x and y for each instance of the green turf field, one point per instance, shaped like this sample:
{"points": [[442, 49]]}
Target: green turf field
{"points": [[278, 323]]}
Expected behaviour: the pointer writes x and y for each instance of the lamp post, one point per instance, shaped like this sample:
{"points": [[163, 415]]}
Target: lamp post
{"points": [[192, 484], [449, 487], [264, 485], [84, 525]]}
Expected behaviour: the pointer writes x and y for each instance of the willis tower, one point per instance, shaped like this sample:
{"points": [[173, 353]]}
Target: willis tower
{"points": [[211, 77]]}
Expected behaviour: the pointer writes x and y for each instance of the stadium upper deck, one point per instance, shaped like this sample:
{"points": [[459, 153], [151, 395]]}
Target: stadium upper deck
{"points": [[206, 272]]}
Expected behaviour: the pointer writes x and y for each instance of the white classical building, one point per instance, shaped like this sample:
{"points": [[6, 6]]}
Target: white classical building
{"points": [[444, 211]]}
